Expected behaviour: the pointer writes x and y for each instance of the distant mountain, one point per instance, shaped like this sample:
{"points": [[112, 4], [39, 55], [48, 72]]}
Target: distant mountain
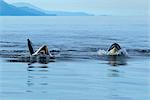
{"points": [[25, 9], [11, 10], [23, 4], [65, 13], [57, 13]]}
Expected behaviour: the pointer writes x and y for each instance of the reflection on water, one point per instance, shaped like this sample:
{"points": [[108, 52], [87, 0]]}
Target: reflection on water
{"points": [[113, 73], [114, 61], [40, 59], [117, 60], [37, 78]]}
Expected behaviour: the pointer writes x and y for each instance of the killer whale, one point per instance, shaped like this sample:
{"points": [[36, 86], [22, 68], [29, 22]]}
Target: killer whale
{"points": [[41, 55], [115, 49]]}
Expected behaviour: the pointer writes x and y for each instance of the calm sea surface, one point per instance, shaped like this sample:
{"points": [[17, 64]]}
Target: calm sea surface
{"points": [[78, 73]]}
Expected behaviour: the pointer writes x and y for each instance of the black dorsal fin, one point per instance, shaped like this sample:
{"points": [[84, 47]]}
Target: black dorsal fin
{"points": [[30, 47]]}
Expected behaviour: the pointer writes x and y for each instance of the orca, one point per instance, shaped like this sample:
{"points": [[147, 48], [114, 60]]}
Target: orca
{"points": [[114, 49], [41, 55], [115, 55]]}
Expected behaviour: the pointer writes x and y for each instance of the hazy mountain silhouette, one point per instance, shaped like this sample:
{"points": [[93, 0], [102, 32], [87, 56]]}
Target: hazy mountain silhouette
{"points": [[57, 13], [23, 4], [10, 10]]}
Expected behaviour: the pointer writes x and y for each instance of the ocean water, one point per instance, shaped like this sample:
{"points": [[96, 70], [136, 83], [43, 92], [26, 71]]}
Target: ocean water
{"points": [[77, 73]]}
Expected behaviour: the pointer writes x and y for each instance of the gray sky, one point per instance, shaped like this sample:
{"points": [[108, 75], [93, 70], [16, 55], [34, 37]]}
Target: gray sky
{"points": [[115, 7]]}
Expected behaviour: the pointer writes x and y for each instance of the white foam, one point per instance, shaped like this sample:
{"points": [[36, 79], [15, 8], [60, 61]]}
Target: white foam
{"points": [[102, 52]]}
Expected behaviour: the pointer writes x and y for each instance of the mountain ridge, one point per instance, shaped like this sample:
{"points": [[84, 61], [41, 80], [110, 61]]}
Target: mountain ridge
{"points": [[10, 10], [26, 9], [58, 13]]}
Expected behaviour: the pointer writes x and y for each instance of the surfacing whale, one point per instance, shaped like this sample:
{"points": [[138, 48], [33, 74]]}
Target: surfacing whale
{"points": [[115, 55], [42, 55], [114, 50]]}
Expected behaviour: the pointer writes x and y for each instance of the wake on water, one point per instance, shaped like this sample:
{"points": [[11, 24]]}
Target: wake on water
{"points": [[22, 54], [71, 54]]}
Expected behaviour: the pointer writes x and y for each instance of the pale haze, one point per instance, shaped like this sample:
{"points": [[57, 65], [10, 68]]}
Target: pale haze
{"points": [[114, 7]]}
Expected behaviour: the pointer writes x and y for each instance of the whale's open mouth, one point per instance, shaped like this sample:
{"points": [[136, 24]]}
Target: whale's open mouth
{"points": [[113, 51]]}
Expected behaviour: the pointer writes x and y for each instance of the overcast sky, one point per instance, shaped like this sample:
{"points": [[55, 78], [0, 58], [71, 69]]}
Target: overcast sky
{"points": [[115, 7]]}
